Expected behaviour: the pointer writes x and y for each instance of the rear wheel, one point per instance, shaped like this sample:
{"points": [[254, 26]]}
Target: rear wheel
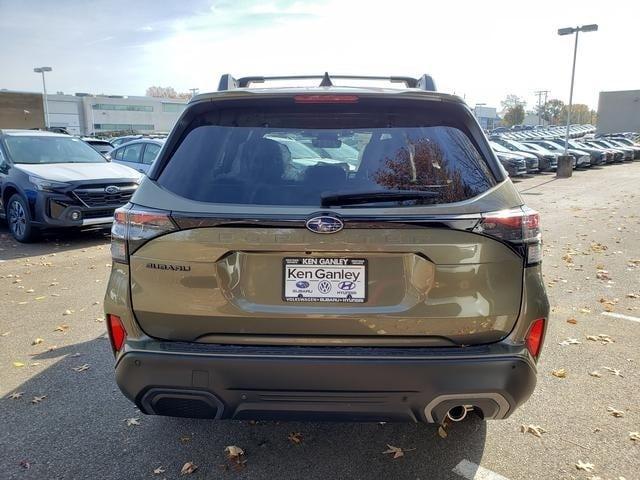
{"points": [[19, 220]]}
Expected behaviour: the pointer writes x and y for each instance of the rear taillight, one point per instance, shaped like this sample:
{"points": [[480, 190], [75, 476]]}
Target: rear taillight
{"points": [[133, 226], [535, 336], [518, 226], [117, 333]]}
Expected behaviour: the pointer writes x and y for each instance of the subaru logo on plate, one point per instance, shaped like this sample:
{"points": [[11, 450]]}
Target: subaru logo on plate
{"points": [[112, 189], [302, 284], [346, 285], [325, 224]]}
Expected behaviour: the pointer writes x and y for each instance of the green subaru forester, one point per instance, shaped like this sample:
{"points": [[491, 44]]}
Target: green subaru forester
{"points": [[330, 252]]}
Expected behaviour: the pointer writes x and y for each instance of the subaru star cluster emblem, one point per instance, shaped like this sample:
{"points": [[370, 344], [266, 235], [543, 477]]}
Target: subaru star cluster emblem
{"points": [[324, 224], [112, 189]]}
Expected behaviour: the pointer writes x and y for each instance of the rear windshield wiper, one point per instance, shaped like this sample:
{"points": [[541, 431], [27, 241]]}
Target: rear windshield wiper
{"points": [[376, 196]]}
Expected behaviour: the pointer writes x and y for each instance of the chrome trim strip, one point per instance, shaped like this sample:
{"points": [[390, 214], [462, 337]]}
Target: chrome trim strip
{"points": [[97, 221]]}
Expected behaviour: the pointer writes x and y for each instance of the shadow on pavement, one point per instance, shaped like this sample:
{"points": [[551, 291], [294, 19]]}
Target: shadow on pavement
{"points": [[50, 242], [79, 431]]}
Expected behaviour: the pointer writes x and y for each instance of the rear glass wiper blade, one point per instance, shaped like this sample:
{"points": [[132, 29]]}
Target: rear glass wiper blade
{"points": [[356, 198]]}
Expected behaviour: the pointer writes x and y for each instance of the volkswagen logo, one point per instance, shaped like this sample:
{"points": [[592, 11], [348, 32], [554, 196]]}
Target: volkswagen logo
{"points": [[324, 287], [112, 189], [325, 224]]}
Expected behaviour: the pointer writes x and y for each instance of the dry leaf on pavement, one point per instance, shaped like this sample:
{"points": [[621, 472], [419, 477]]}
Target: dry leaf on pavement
{"points": [[560, 373], [37, 341], [16, 395], [634, 436], [236, 455], [615, 413], [295, 437], [570, 341], [35, 400], [18, 364], [596, 374], [533, 429], [82, 368], [587, 467], [25, 464], [61, 328], [613, 371], [67, 312], [572, 321], [132, 421], [397, 452], [188, 468], [158, 471]]}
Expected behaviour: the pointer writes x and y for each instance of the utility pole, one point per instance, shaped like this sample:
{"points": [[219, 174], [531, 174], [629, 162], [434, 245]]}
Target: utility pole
{"points": [[194, 91], [539, 93]]}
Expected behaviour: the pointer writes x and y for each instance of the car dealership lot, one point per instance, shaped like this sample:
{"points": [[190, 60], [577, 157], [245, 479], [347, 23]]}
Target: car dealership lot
{"points": [[51, 296]]}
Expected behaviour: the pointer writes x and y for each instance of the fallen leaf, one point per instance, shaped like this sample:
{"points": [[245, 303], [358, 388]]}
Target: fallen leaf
{"points": [[234, 452], [158, 471], [18, 364], [587, 467], [613, 371], [25, 464], [572, 321], [61, 328], [596, 374], [396, 451], [4, 334], [188, 468], [35, 400], [184, 439], [633, 295], [598, 248], [132, 421], [295, 437], [615, 413], [31, 290], [603, 275], [37, 341], [82, 368], [67, 312], [41, 298], [560, 373], [634, 436], [16, 395], [533, 429], [585, 310]]}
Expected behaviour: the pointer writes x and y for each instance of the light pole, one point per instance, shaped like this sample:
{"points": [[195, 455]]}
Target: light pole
{"points": [[570, 31], [44, 97]]}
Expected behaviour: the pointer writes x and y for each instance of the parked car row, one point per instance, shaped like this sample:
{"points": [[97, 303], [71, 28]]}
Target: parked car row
{"points": [[515, 149]]}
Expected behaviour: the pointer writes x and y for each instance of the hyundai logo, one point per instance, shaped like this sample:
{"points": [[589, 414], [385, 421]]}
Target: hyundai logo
{"points": [[346, 285], [302, 284], [112, 189], [325, 224]]}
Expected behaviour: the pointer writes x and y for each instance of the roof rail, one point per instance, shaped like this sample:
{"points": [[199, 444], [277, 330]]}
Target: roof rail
{"points": [[228, 82]]}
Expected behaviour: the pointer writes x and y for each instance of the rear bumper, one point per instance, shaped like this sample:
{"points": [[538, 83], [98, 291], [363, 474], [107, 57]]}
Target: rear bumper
{"points": [[324, 383]]}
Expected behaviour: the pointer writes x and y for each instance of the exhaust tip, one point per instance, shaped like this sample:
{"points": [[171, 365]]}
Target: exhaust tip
{"points": [[459, 413]]}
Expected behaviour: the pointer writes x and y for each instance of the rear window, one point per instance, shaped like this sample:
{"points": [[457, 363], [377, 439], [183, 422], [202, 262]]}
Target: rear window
{"points": [[303, 166]]}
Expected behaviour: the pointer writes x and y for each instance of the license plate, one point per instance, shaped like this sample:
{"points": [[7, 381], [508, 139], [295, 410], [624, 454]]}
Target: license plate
{"points": [[313, 279]]}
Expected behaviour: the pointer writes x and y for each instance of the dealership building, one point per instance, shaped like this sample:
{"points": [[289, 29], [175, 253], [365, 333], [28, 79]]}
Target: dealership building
{"points": [[619, 111], [86, 114]]}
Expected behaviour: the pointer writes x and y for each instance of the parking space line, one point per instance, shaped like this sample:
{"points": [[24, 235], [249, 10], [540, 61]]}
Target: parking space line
{"points": [[620, 315], [472, 471]]}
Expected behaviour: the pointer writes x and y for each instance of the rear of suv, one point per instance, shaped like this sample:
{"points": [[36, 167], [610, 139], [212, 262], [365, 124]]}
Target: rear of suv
{"points": [[401, 284]]}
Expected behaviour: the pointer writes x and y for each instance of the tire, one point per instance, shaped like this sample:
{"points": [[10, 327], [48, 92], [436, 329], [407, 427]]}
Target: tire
{"points": [[19, 220]]}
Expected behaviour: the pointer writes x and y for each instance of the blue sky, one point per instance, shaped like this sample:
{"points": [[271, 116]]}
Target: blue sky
{"points": [[482, 50]]}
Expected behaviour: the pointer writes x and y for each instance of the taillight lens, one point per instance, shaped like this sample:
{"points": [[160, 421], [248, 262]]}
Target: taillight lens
{"points": [[117, 333], [134, 226], [519, 226], [534, 337]]}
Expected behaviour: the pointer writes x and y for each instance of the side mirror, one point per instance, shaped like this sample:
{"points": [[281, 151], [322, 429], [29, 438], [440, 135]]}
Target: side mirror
{"points": [[107, 156]]}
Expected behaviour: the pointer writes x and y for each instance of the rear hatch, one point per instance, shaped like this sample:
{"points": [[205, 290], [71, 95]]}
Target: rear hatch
{"points": [[235, 238]]}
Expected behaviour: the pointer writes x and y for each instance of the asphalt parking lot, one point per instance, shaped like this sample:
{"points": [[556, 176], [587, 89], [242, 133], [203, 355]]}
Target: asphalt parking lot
{"points": [[63, 417]]}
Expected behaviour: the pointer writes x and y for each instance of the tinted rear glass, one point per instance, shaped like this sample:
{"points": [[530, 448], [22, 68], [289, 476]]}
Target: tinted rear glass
{"points": [[285, 165]]}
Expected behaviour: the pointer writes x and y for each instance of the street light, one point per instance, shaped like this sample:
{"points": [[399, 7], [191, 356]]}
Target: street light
{"points": [[44, 89], [570, 31]]}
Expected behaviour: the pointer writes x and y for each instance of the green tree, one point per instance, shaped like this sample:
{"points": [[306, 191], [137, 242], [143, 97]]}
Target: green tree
{"points": [[513, 116], [580, 113], [511, 101], [551, 111]]}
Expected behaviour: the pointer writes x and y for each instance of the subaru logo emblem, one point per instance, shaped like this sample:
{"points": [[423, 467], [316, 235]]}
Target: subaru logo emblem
{"points": [[302, 284], [325, 224], [112, 189]]}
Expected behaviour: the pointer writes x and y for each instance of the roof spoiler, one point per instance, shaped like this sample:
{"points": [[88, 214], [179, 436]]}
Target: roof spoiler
{"points": [[425, 82]]}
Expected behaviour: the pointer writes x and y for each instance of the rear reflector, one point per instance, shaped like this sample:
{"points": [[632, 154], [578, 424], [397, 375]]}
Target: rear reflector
{"points": [[117, 333], [326, 98], [534, 337]]}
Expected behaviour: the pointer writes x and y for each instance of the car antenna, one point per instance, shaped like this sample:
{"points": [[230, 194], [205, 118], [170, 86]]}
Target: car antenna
{"points": [[326, 81]]}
